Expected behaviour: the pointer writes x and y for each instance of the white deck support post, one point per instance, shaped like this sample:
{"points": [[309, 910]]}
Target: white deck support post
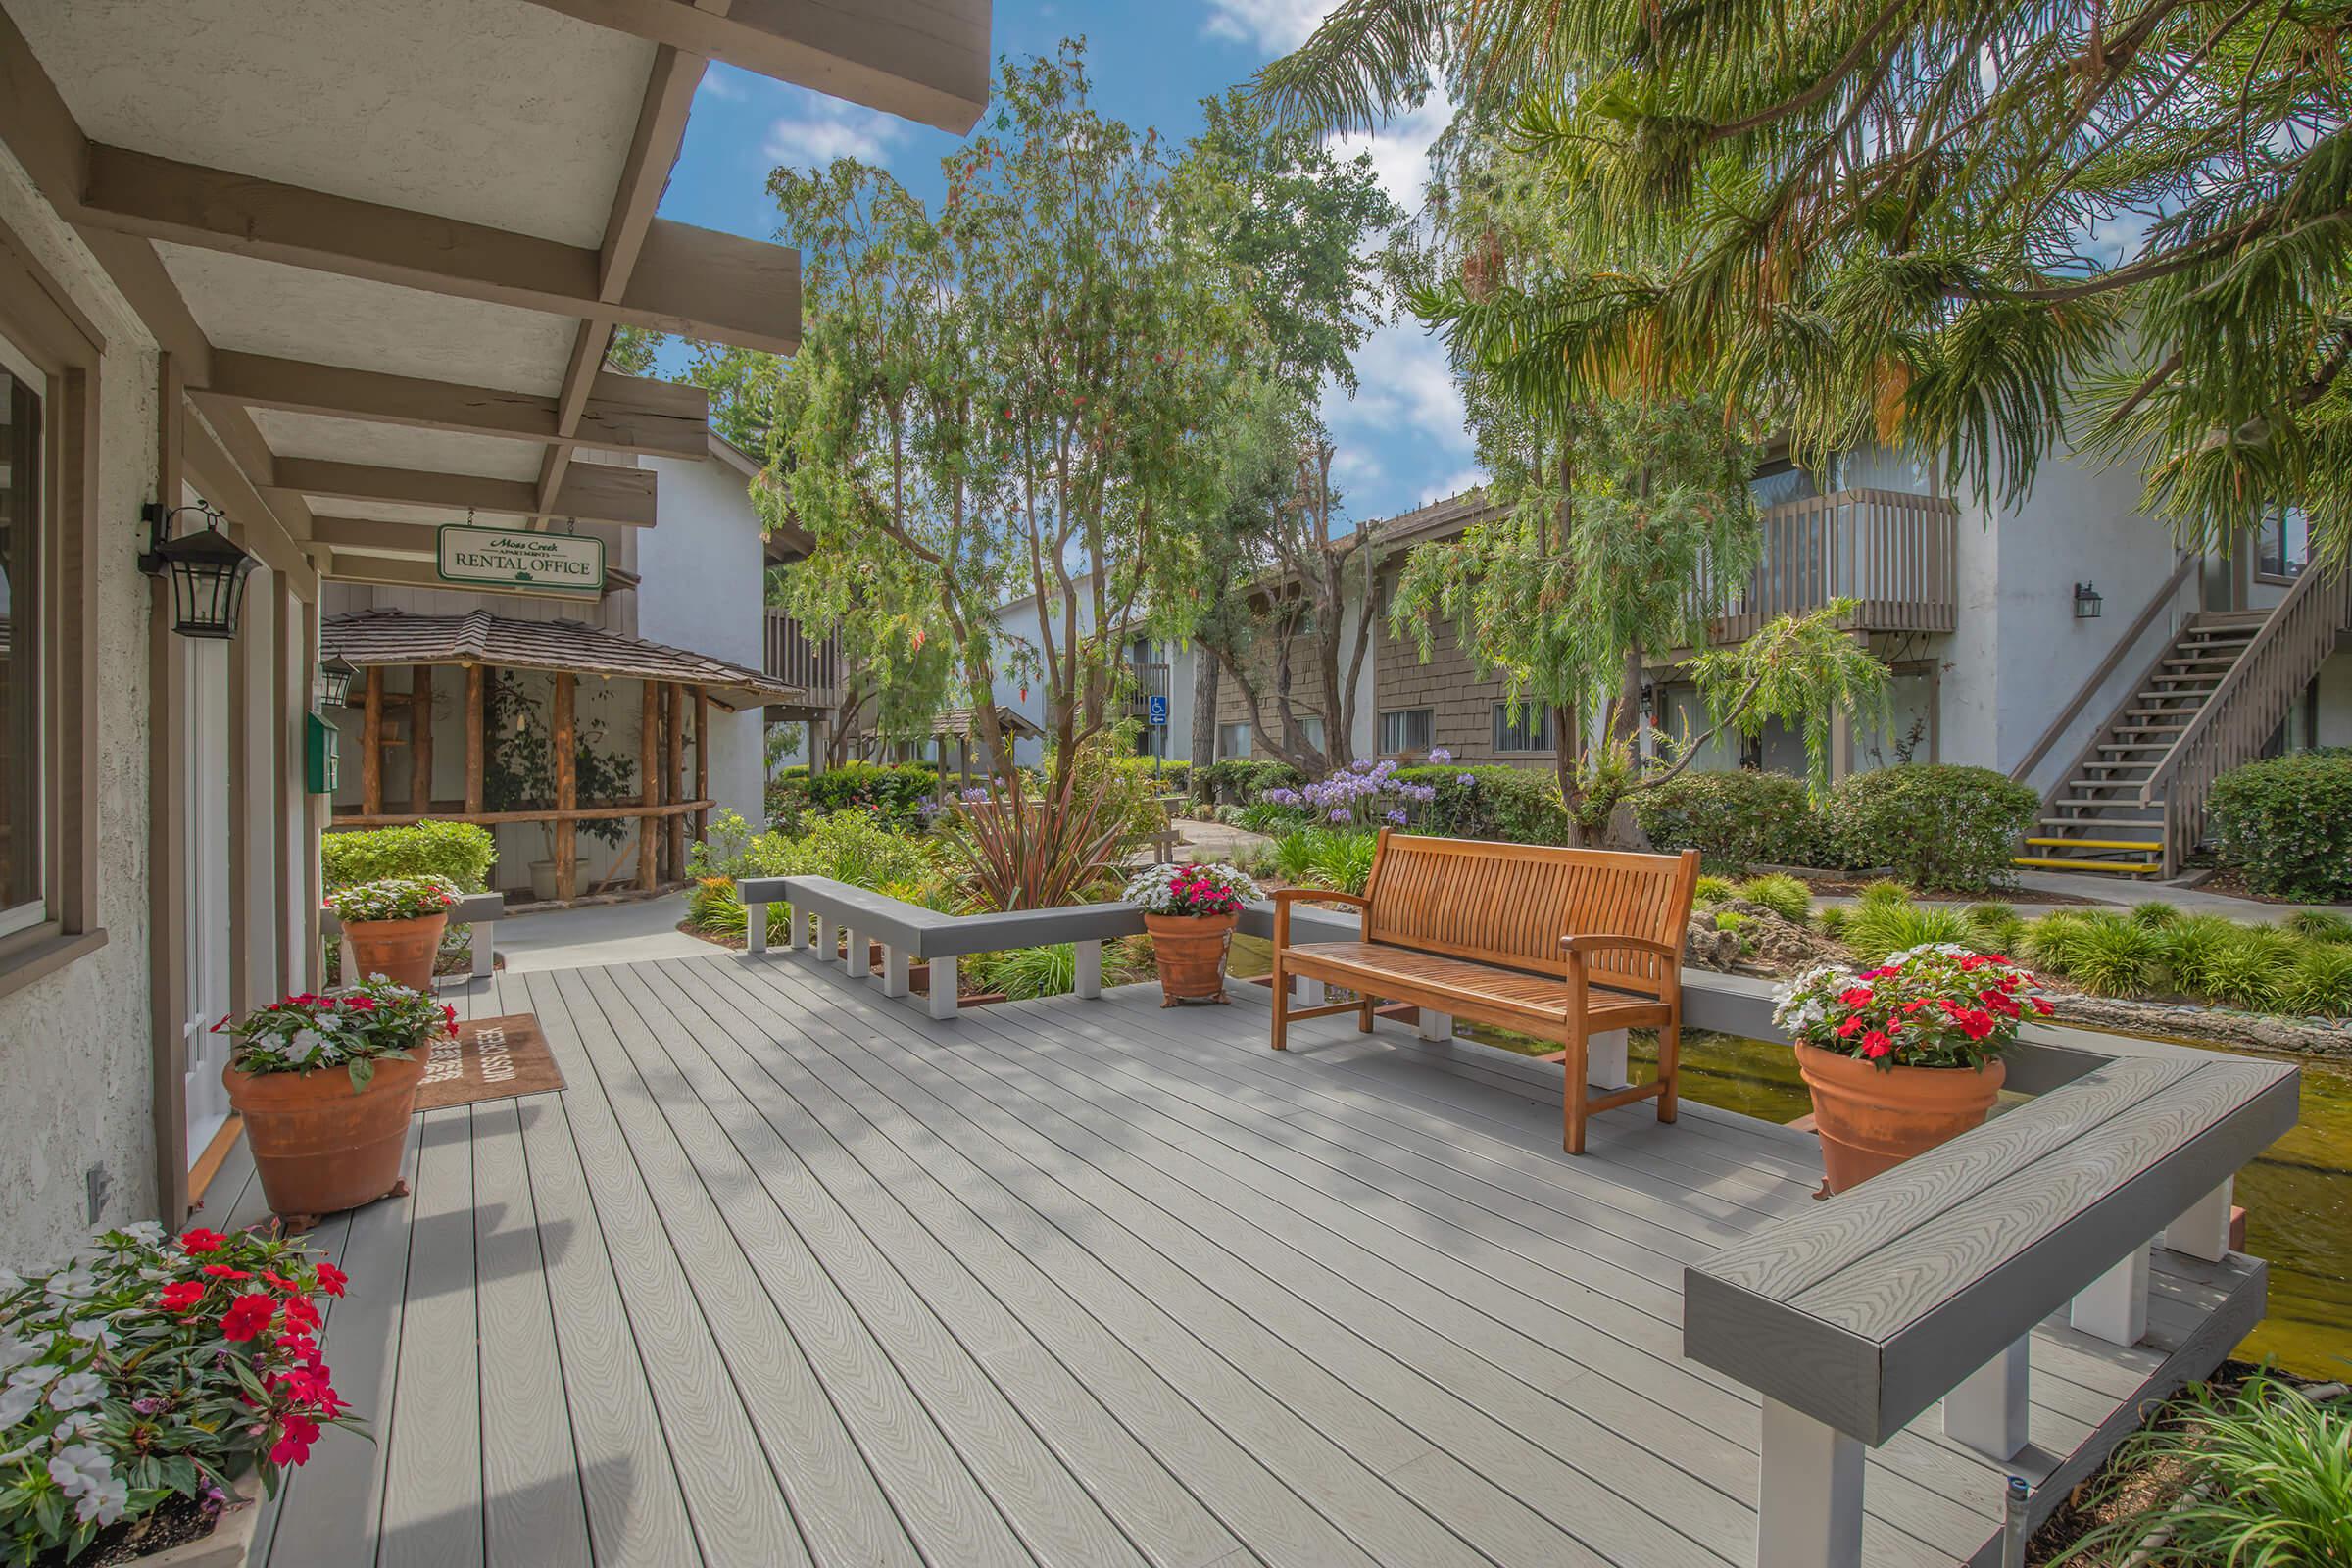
{"points": [[1605, 1065], [2203, 1228], [856, 961], [894, 971], [832, 938], [351, 964], [1090, 969], [2115, 1306], [755, 928], [1987, 1411], [1306, 992], [795, 922], [485, 939], [1434, 1025], [944, 973], [1809, 1496]]}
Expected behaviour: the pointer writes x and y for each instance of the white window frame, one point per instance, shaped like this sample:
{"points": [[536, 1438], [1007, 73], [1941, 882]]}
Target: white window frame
{"points": [[1511, 722], [1402, 718], [1227, 734]]}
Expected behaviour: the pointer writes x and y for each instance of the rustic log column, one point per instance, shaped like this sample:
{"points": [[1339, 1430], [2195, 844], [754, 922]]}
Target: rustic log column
{"points": [[477, 698], [421, 738], [673, 776], [371, 744], [649, 782], [701, 762], [566, 760]]}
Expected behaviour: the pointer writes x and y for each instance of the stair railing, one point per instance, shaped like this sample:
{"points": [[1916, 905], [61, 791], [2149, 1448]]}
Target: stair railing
{"points": [[2156, 606], [2246, 707]]}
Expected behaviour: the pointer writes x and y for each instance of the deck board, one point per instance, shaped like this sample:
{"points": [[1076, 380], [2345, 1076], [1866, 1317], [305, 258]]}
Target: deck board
{"points": [[789, 1272]]}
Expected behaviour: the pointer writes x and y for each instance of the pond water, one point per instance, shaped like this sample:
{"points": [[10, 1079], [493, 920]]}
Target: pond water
{"points": [[2297, 1196]]}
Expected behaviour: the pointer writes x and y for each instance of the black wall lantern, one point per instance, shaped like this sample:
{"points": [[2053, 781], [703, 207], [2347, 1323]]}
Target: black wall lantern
{"points": [[336, 674], [2086, 602], [208, 572]]}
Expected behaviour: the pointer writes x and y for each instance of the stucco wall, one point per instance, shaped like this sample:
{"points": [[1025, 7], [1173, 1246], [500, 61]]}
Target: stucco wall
{"points": [[2335, 727], [77, 1139], [706, 589]]}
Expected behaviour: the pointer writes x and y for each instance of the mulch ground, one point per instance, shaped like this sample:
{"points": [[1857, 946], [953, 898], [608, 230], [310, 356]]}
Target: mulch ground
{"points": [[172, 1524], [1850, 887], [2232, 885]]}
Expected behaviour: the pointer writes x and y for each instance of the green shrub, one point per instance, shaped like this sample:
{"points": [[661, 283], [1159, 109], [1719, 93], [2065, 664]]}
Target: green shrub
{"points": [[1294, 855], [1025, 972], [1875, 931], [1344, 860], [2189, 944], [2051, 942], [1781, 894], [1998, 927], [898, 792], [1937, 825], [1263, 816], [2320, 925], [1519, 804], [2113, 956], [1238, 780], [1834, 918], [461, 852], [1730, 920], [1736, 819], [1886, 890], [2287, 823], [2155, 912], [2320, 981], [1713, 888], [2250, 968]]}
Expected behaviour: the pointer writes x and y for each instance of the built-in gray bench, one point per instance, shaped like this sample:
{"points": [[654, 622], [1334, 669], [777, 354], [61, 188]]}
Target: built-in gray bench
{"points": [[480, 911], [1926, 1283]]}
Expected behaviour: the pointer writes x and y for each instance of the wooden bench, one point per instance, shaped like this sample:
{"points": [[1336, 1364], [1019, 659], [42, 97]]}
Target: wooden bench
{"points": [[1559, 944], [475, 910]]}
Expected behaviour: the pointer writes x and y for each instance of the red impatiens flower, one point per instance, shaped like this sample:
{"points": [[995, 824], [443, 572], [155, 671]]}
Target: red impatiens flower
{"points": [[2043, 1007], [201, 1241], [179, 1295], [277, 1282], [293, 1446], [1852, 1027], [301, 1314], [248, 1316], [358, 1004], [221, 1271], [1858, 996], [331, 1279], [1876, 1043], [1976, 1023]]}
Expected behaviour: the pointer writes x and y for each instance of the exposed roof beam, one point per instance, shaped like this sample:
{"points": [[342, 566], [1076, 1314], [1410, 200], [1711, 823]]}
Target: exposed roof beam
{"points": [[922, 60], [591, 492], [410, 541], [622, 414], [696, 283]]}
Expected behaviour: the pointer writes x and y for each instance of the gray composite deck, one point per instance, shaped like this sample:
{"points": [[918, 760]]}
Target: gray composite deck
{"points": [[789, 1273]]}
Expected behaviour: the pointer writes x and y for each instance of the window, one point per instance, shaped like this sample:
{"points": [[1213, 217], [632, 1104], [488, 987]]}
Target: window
{"points": [[2285, 544], [1522, 727], [1405, 729], [22, 810], [1310, 726], [1233, 740]]}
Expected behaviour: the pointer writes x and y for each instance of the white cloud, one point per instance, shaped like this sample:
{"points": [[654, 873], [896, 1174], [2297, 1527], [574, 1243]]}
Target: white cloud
{"points": [[821, 130], [720, 82], [1403, 386], [1469, 478], [1275, 27]]}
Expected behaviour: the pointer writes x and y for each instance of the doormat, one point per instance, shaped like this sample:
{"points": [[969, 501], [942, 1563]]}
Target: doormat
{"points": [[491, 1059]]}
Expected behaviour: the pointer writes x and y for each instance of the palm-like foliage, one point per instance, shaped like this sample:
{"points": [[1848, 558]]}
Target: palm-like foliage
{"points": [[1944, 223], [1028, 849]]}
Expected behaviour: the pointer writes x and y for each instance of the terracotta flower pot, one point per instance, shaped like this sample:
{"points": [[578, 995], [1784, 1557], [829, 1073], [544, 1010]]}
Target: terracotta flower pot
{"points": [[401, 951], [1191, 953], [1871, 1119], [318, 1146]]}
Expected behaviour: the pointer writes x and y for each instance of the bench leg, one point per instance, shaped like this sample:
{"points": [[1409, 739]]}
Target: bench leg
{"points": [[1809, 1497], [1987, 1411], [2203, 1228], [1432, 1025], [942, 1000], [1572, 1092], [1090, 969], [484, 962], [2115, 1306], [1670, 1069], [1363, 1013], [894, 971], [1282, 1004]]}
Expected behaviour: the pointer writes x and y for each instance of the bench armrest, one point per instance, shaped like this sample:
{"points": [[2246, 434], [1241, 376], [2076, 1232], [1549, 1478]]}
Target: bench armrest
{"points": [[1284, 898], [1602, 941]]}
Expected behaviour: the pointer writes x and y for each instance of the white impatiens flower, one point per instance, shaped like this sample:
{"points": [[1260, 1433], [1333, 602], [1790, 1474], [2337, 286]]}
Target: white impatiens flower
{"points": [[74, 1285], [19, 1400], [95, 1330], [75, 1390], [104, 1504], [146, 1232], [14, 1352], [82, 1470]]}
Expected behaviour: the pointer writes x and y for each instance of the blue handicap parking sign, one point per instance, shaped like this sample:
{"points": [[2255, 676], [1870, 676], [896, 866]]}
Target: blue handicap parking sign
{"points": [[1160, 712]]}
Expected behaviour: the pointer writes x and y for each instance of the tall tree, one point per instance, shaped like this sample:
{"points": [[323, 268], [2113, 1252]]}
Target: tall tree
{"points": [[1877, 220], [1008, 399]]}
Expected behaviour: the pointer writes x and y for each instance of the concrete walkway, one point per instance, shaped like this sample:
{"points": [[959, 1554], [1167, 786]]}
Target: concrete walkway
{"points": [[2123, 893], [598, 934]]}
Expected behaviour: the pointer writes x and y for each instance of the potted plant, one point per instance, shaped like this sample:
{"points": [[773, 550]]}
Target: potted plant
{"points": [[1904, 1056], [394, 926], [327, 1085], [1191, 912], [143, 1385]]}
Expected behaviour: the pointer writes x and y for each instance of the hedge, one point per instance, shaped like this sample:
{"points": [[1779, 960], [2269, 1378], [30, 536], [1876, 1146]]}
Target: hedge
{"points": [[1521, 805], [897, 790], [461, 852], [1238, 780], [1937, 825], [1735, 820], [2287, 824]]}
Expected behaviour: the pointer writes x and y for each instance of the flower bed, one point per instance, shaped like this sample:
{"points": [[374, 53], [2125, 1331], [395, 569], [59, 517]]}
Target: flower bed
{"points": [[154, 1369]]}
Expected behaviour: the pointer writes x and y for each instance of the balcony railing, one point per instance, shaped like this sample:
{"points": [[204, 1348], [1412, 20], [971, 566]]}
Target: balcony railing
{"points": [[794, 657], [1151, 680], [1891, 551]]}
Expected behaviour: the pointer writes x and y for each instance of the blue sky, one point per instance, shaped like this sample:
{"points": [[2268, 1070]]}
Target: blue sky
{"points": [[1401, 440]]}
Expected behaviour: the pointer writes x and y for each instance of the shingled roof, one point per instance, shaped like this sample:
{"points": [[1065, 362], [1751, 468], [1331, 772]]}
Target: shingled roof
{"points": [[477, 637]]}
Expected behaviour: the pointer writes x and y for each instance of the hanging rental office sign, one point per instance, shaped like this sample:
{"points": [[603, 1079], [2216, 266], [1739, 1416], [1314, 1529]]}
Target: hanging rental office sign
{"points": [[503, 558]]}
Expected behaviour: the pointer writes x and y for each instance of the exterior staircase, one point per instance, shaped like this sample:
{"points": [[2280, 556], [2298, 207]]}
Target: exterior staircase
{"points": [[2133, 803]]}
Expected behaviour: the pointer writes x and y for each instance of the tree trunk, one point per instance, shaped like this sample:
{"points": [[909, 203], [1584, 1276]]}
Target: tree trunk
{"points": [[1204, 708]]}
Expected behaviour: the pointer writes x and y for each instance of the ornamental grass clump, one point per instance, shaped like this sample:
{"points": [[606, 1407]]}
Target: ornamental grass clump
{"points": [[2114, 956], [1935, 1006], [2320, 981], [150, 1370], [353, 1029], [1781, 894], [1876, 929], [393, 897]]}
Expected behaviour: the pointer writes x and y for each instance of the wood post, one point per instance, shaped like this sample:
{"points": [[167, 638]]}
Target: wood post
{"points": [[371, 744], [673, 775], [649, 783], [421, 738], [478, 699], [567, 780], [701, 762]]}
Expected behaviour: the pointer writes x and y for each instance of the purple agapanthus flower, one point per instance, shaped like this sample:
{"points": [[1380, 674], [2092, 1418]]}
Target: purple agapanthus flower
{"points": [[1439, 755]]}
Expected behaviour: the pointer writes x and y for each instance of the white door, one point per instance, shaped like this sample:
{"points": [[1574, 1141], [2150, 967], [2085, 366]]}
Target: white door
{"points": [[202, 712]]}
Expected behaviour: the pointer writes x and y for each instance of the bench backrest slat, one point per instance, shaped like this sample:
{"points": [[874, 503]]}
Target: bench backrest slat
{"points": [[1511, 903]]}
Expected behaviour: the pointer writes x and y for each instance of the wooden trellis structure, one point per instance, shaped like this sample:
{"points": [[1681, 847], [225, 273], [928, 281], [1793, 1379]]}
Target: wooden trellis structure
{"points": [[482, 644]]}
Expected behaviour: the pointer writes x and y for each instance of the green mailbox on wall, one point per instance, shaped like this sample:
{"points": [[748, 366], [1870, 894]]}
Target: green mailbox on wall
{"points": [[321, 755]]}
